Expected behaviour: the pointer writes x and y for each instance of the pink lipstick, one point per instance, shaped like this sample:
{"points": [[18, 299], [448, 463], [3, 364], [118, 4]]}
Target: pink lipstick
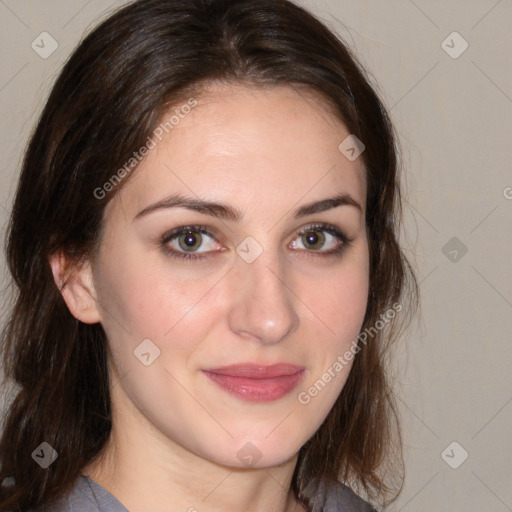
{"points": [[257, 383]]}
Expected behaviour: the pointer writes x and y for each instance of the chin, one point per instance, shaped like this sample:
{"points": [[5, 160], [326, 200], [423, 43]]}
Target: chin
{"points": [[255, 452]]}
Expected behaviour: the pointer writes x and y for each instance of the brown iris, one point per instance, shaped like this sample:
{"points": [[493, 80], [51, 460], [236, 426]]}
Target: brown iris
{"points": [[314, 239], [190, 240]]}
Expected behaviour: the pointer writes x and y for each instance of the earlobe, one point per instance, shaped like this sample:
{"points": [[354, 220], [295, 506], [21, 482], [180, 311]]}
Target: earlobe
{"points": [[76, 285]]}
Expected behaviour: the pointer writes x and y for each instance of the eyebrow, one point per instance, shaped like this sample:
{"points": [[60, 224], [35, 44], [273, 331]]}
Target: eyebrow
{"points": [[227, 212]]}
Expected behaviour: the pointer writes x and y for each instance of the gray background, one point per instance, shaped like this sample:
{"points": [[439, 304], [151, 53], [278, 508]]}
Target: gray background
{"points": [[454, 118]]}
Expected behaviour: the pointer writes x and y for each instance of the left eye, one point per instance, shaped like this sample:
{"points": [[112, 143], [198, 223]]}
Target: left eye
{"points": [[316, 239]]}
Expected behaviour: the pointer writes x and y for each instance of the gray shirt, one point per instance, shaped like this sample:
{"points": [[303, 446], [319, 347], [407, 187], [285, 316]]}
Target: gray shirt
{"points": [[89, 496]]}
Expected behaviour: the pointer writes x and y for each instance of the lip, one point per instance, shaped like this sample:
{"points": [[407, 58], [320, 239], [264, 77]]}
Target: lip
{"points": [[257, 383]]}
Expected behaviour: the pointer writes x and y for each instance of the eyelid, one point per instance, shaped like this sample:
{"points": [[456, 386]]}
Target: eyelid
{"points": [[196, 228]]}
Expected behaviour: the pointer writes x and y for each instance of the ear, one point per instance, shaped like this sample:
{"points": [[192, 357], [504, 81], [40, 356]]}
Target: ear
{"points": [[77, 288]]}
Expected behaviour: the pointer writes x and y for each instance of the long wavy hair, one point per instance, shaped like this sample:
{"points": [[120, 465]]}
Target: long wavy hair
{"points": [[109, 97]]}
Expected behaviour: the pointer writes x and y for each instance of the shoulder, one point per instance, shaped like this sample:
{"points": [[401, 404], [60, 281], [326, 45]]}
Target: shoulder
{"points": [[340, 498], [85, 496]]}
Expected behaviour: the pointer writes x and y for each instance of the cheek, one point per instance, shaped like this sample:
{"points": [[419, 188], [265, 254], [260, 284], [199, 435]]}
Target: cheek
{"points": [[338, 307], [151, 301], [344, 302], [339, 298]]}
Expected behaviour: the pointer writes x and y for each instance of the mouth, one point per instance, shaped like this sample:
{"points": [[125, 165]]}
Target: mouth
{"points": [[257, 383]]}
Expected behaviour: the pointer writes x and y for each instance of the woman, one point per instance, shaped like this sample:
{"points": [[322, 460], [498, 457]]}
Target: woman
{"points": [[204, 245]]}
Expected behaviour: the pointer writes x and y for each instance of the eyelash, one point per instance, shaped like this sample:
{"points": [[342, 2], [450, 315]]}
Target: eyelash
{"points": [[345, 240]]}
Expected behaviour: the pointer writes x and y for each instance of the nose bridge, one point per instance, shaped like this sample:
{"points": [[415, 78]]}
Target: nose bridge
{"points": [[263, 306]]}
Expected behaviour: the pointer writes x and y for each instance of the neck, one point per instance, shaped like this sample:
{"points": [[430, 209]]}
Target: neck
{"points": [[191, 485]]}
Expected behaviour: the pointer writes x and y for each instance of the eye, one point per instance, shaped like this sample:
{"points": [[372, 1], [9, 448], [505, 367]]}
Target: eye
{"points": [[324, 239], [185, 242]]}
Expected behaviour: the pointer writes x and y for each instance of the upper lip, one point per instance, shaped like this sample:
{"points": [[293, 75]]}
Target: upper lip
{"points": [[258, 371]]}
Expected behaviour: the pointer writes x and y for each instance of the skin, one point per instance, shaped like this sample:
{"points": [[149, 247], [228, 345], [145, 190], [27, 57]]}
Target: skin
{"points": [[176, 434]]}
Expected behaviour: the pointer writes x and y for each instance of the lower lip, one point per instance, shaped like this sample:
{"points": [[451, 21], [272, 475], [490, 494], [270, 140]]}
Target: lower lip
{"points": [[257, 390]]}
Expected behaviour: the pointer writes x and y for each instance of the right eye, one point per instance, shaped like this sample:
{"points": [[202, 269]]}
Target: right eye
{"points": [[184, 241]]}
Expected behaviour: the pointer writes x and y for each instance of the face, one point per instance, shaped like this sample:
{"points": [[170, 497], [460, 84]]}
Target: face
{"points": [[257, 282]]}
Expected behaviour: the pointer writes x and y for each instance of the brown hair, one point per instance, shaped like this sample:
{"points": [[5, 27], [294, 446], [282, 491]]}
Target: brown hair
{"points": [[108, 99]]}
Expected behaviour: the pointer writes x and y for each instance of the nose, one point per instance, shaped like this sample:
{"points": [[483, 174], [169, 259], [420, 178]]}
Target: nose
{"points": [[263, 308]]}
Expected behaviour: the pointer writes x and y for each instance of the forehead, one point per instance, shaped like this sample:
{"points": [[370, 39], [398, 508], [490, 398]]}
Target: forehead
{"points": [[248, 145]]}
